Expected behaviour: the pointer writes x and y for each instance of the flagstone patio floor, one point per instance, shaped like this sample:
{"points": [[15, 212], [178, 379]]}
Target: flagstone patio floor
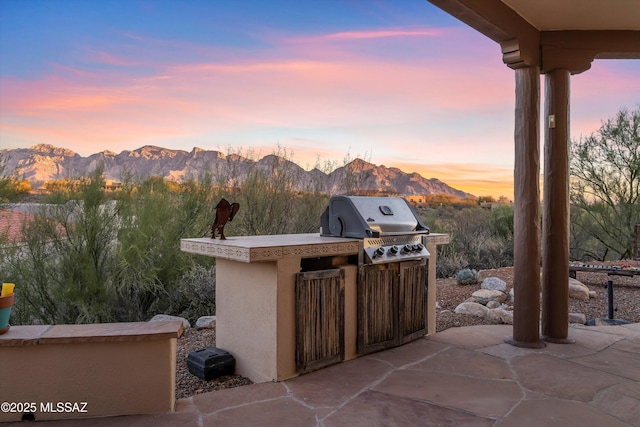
{"points": [[462, 376]]}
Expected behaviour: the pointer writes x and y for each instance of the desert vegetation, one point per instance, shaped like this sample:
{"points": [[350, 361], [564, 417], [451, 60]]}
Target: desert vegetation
{"points": [[88, 254], [12, 187], [605, 189], [93, 255], [480, 238]]}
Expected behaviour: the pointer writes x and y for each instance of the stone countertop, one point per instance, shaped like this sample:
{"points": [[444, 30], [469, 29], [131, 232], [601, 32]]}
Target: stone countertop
{"points": [[271, 248]]}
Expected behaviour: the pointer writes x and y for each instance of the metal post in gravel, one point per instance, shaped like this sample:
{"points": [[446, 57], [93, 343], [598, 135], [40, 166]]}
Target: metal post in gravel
{"points": [[610, 297]]}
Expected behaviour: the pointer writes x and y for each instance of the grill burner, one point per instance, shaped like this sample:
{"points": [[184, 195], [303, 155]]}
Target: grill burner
{"points": [[394, 248], [390, 229]]}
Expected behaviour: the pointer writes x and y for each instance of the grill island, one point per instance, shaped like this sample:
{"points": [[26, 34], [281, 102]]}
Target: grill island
{"points": [[289, 304]]}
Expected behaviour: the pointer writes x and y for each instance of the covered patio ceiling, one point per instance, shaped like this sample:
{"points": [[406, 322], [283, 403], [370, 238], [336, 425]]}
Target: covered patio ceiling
{"points": [[554, 34], [556, 38]]}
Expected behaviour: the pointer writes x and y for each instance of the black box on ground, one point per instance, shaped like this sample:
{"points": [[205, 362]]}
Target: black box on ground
{"points": [[211, 362]]}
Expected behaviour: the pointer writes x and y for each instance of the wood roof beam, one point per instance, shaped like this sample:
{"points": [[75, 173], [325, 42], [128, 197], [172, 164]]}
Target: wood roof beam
{"points": [[575, 50], [524, 45]]}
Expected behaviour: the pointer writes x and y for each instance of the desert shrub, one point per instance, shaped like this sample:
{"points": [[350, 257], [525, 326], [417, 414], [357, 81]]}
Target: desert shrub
{"points": [[479, 238], [275, 198], [89, 259], [11, 187], [467, 277], [449, 261], [65, 265], [31, 266], [154, 217], [195, 292]]}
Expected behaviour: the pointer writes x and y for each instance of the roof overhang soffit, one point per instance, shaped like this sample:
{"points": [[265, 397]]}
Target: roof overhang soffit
{"points": [[523, 45]]}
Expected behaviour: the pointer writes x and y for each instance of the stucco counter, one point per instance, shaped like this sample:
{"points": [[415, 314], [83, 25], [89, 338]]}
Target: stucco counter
{"points": [[255, 294]]}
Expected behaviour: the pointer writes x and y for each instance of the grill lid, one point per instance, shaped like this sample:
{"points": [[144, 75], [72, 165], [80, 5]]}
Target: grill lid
{"points": [[360, 217]]}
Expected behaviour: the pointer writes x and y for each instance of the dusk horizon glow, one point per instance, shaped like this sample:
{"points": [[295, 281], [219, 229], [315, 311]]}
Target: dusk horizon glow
{"points": [[401, 83]]}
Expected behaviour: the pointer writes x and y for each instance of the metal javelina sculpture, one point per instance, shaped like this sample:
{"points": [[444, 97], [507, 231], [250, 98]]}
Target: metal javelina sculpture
{"points": [[225, 211]]}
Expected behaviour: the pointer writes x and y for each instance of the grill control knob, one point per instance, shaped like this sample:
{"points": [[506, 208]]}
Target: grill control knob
{"points": [[393, 250], [378, 252], [420, 246], [406, 249]]}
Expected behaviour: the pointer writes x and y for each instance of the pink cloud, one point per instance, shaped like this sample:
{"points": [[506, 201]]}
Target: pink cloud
{"points": [[333, 88], [446, 99], [372, 34], [217, 98]]}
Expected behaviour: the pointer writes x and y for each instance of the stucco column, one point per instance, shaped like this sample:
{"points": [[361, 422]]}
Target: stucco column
{"points": [[555, 227], [526, 277]]}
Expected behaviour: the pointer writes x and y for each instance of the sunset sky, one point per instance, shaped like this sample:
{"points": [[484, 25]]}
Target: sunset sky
{"points": [[397, 82]]}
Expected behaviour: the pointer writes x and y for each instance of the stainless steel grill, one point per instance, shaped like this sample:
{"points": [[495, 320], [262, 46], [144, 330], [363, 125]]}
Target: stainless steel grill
{"points": [[389, 228], [393, 269]]}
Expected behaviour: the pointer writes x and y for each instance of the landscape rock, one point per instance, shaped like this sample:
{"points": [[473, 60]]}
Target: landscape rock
{"points": [[473, 308], [206, 322], [493, 304], [494, 284], [500, 314], [578, 290], [166, 317], [577, 318], [483, 296], [493, 315]]}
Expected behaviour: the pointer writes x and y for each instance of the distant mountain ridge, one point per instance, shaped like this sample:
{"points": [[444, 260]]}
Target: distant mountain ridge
{"points": [[42, 163]]}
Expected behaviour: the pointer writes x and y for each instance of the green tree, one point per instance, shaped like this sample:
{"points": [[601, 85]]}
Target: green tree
{"points": [[33, 266], [65, 263], [605, 187], [83, 232], [154, 217]]}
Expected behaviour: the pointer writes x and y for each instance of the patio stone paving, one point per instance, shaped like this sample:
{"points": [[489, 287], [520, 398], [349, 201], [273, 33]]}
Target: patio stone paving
{"points": [[459, 377]]}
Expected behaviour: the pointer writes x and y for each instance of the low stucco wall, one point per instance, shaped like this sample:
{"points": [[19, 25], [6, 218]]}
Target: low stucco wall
{"points": [[88, 371]]}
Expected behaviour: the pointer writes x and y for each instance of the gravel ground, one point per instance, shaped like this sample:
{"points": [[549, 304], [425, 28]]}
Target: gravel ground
{"points": [[188, 384], [626, 297], [448, 295]]}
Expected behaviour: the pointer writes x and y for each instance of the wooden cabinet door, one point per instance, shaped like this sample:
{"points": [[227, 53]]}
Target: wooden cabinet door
{"points": [[319, 319], [412, 310], [377, 307], [392, 304]]}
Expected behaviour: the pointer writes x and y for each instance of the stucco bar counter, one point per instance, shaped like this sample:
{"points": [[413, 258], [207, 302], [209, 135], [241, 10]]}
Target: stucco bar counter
{"points": [[256, 295]]}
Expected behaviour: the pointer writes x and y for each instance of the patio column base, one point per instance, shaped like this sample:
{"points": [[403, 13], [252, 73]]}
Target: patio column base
{"points": [[567, 340], [525, 344]]}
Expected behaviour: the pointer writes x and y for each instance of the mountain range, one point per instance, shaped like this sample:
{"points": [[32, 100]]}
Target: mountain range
{"points": [[42, 163]]}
